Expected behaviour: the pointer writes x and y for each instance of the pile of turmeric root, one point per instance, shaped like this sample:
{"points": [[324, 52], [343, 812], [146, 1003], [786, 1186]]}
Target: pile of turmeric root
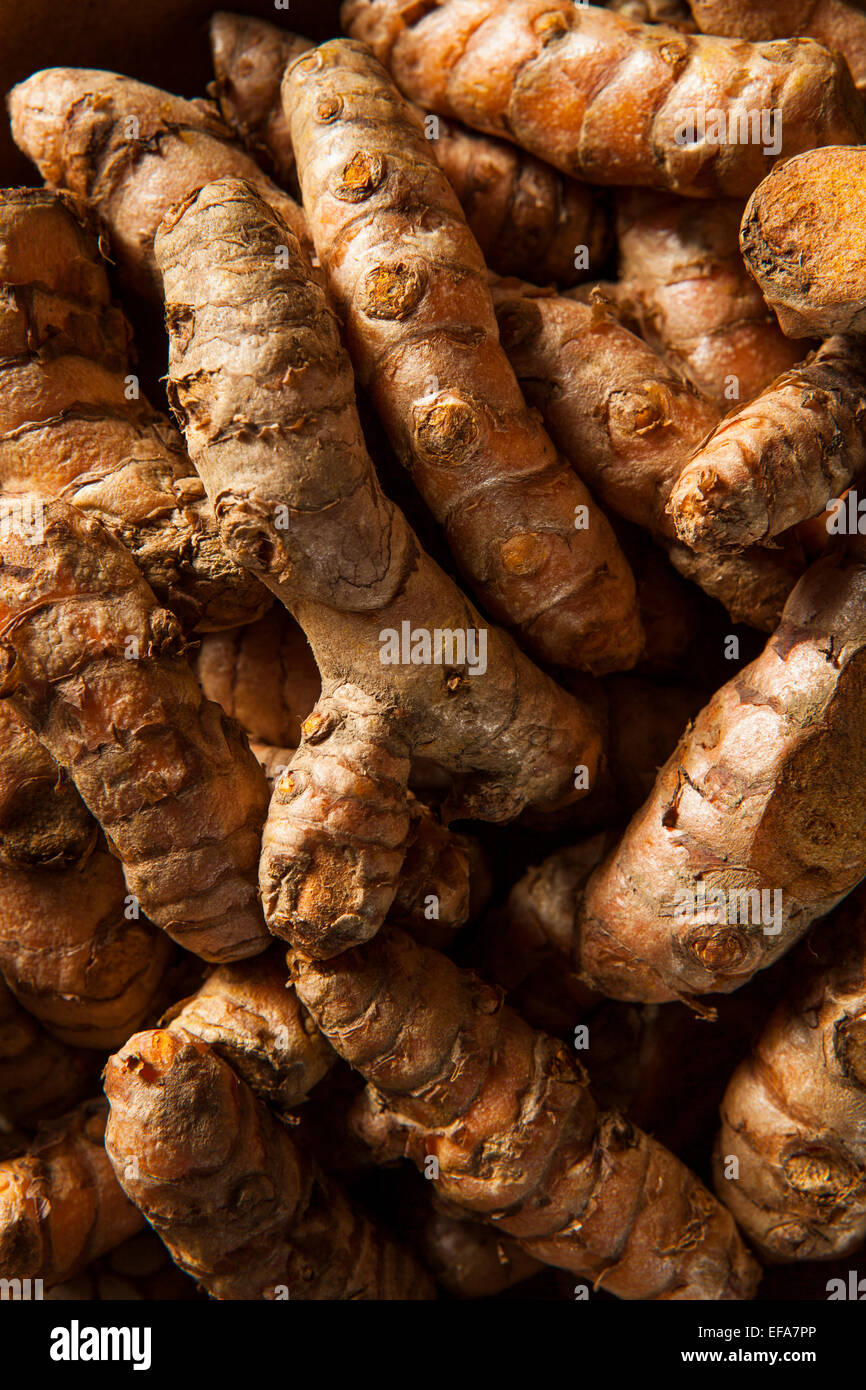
{"points": [[445, 885]]}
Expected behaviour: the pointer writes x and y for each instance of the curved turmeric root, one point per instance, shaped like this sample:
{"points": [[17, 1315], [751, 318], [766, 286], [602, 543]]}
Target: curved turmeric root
{"points": [[756, 825], [526, 217], [72, 946], [780, 459], [249, 58], [421, 331], [793, 228], [131, 151], [72, 424], [409, 668], [293, 1234], [508, 1116], [95, 668], [630, 425], [694, 300], [794, 1113], [264, 675], [610, 101], [249, 1014], [39, 1076], [60, 1203], [836, 24]]}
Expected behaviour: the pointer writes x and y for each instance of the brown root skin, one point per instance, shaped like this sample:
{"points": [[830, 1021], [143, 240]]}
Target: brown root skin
{"points": [[249, 58], [602, 98], [95, 667], [40, 1078], [60, 1203], [794, 1113], [294, 1229], [759, 797], [693, 299], [526, 217], [421, 331], [262, 674], [525, 946], [249, 1014], [74, 955], [507, 1113], [336, 833], [629, 425], [73, 426], [780, 459], [139, 1269], [466, 1257], [804, 241], [675, 13], [445, 879], [836, 24], [132, 151]]}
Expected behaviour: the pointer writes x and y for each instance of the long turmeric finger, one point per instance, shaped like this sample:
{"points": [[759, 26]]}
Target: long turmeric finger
{"points": [[614, 102]]}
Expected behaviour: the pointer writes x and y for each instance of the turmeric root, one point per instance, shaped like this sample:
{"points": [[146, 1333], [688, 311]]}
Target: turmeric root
{"points": [[790, 1158], [349, 568], [249, 58], [72, 946], [422, 333], [793, 228], [60, 1203], [444, 880], [610, 101], [139, 1269], [780, 459], [466, 1257], [263, 675], [629, 425], [526, 217], [91, 663], [755, 826], [293, 1235], [508, 1116], [249, 1014], [676, 13], [39, 1076], [836, 24], [72, 424], [694, 300], [131, 151]]}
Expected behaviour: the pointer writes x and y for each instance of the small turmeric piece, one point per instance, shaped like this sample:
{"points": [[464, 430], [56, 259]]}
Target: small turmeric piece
{"points": [[40, 1078], [409, 279], [250, 1015], [693, 299], [263, 674], [794, 1113], [240, 1206], [629, 424], [72, 947], [780, 459], [610, 101], [60, 1204], [95, 667], [804, 240]]}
